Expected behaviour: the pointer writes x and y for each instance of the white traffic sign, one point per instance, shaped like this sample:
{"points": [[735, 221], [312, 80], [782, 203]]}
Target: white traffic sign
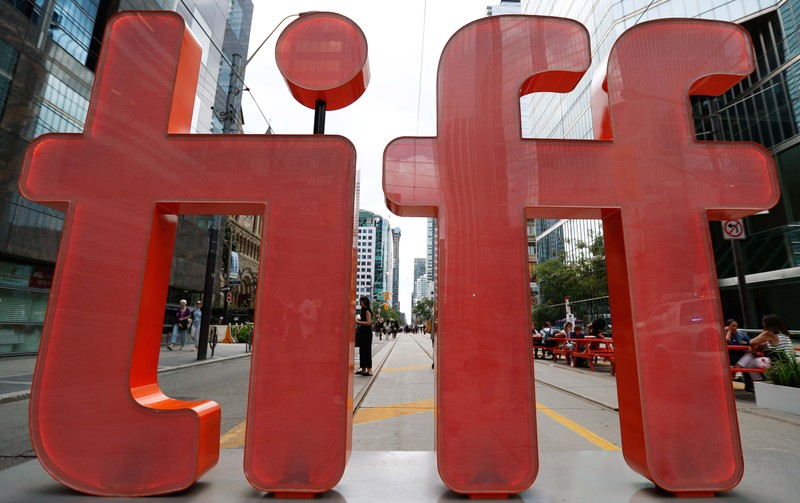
{"points": [[733, 229]]}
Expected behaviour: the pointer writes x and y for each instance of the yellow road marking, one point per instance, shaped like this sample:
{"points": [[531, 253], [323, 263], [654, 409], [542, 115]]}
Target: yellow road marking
{"points": [[234, 437], [580, 430], [403, 369], [395, 410]]}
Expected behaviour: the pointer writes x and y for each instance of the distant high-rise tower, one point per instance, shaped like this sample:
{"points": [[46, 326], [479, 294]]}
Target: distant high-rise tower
{"points": [[432, 253], [419, 272], [365, 258], [504, 7], [419, 267], [396, 269], [374, 256]]}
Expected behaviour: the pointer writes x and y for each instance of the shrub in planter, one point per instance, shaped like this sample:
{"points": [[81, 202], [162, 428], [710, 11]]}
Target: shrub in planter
{"points": [[785, 371], [242, 332]]}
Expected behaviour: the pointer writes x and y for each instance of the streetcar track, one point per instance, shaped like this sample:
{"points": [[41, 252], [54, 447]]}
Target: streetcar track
{"points": [[359, 399], [577, 395], [430, 355], [362, 395], [551, 386]]}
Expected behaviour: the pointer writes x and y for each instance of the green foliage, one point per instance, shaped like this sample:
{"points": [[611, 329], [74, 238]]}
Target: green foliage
{"points": [[546, 312], [387, 314], [422, 310], [241, 332], [785, 371], [584, 279]]}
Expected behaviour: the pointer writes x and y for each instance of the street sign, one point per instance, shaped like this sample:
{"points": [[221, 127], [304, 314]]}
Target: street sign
{"points": [[229, 297], [733, 229], [225, 289]]}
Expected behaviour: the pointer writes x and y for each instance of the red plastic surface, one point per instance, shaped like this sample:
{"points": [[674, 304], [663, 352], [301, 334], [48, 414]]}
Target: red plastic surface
{"points": [[323, 56], [99, 422], [655, 188]]}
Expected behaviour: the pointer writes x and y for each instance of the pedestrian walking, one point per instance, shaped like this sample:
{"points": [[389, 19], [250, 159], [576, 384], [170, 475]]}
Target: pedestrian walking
{"points": [[364, 336], [197, 316], [183, 317]]}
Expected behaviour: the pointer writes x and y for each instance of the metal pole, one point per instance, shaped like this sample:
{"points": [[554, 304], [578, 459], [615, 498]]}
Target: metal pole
{"points": [[716, 134], [208, 290], [229, 118], [227, 278], [742, 283], [227, 128], [319, 117]]}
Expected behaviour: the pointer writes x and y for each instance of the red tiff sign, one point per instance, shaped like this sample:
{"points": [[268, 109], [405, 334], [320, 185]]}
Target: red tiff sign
{"points": [[97, 412]]}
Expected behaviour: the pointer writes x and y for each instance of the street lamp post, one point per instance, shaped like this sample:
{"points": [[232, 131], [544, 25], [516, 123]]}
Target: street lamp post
{"points": [[208, 289], [229, 119]]}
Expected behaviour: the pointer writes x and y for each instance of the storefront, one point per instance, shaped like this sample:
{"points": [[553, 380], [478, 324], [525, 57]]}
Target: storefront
{"points": [[24, 291]]}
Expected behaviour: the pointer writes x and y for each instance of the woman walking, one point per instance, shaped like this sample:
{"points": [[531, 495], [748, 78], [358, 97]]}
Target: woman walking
{"points": [[183, 317]]}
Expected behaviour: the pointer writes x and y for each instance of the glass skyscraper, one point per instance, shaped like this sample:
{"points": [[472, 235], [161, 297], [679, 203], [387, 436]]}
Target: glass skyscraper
{"points": [[49, 51], [762, 108]]}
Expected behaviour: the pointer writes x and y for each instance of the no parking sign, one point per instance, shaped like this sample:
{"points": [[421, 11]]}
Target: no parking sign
{"points": [[733, 229]]}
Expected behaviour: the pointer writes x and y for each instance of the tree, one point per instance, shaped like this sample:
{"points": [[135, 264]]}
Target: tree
{"points": [[422, 311], [582, 279]]}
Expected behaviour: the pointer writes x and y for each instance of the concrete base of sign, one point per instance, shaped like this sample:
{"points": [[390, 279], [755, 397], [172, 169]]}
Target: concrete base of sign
{"points": [[402, 476]]}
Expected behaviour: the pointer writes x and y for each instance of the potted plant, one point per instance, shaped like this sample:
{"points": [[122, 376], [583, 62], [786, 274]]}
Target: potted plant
{"points": [[782, 392]]}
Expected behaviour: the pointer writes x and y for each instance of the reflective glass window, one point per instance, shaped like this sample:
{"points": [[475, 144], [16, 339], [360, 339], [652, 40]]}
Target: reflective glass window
{"points": [[236, 18], [8, 61], [62, 110], [72, 24], [32, 9]]}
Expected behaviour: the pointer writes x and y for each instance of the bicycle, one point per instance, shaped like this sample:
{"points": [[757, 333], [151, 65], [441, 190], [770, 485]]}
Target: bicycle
{"points": [[213, 340]]}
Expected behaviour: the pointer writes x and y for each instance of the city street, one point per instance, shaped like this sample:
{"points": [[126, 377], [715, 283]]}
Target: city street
{"points": [[577, 421]]}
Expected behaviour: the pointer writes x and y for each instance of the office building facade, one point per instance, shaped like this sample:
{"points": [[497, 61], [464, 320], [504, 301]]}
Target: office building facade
{"points": [[49, 51], [380, 259], [419, 272], [762, 108], [365, 261], [432, 252], [396, 268]]}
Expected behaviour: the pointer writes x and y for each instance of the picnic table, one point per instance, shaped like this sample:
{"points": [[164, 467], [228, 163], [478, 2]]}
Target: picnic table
{"points": [[738, 349], [561, 349], [592, 349]]}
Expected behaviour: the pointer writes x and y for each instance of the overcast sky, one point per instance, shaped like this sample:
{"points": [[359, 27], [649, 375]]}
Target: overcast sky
{"points": [[388, 108]]}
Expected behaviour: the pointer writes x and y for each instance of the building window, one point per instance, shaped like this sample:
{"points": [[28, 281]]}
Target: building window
{"points": [[32, 9], [72, 25], [62, 109], [8, 62]]}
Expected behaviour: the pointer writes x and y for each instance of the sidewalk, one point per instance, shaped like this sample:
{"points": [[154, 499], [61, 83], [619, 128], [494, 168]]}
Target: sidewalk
{"points": [[16, 372]]}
